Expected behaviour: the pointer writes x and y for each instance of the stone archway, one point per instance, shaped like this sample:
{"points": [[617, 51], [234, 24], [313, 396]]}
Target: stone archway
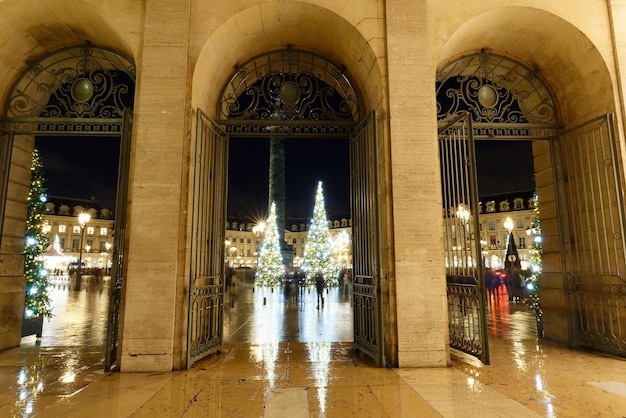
{"points": [[551, 46], [80, 91]]}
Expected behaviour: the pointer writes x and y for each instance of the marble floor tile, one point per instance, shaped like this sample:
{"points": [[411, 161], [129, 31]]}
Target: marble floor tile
{"points": [[283, 357]]}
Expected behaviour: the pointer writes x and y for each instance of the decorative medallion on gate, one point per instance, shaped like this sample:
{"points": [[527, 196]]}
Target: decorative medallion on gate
{"points": [[308, 94], [77, 90], [503, 97]]}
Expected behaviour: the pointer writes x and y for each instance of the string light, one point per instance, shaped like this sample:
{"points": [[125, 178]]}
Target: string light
{"points": [[536, 251], [37, 300], [318, 255]]}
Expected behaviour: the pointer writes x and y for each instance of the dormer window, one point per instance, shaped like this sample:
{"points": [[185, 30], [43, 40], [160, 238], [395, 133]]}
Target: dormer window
{"points": [[505, 206], [491, 206]]}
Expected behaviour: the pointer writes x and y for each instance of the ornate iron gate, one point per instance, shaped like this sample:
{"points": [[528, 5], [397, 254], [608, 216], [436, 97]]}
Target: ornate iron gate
{"points": [[6, 143], [115, 297], [208, 217], [467, 320], [591, 220], [367, 305]]}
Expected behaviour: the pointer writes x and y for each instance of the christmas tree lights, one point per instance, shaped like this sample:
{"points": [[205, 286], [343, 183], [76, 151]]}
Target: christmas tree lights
{"points": [[532, 283], [37, 300], [270, 271], [318, 255]]}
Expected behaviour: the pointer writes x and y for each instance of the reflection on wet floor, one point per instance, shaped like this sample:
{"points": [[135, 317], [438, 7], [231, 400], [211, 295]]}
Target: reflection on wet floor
{"points": [[283, 357], [289, 314]]}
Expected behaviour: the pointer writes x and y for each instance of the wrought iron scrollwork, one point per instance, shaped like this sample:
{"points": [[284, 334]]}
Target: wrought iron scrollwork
{"points": [[494, 89], [296, 85], [79, 82]]}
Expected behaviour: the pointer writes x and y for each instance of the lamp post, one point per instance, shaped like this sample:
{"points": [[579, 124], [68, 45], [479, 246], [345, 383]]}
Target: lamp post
{"points": [[108, 246], [464, 215], [83, 219], [233, 250], [258, 229], [227, 245]]}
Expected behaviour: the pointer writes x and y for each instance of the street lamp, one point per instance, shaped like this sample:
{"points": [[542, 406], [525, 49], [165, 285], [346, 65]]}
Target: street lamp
{"points": [[108, 246], [258, 229], [83, 219], [233, 250]]}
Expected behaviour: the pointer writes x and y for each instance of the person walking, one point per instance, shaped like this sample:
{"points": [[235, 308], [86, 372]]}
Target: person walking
{"points": [[319, 285]]}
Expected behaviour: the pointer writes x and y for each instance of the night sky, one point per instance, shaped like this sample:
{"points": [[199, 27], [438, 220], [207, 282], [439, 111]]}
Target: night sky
{"points": [[82, 167]]}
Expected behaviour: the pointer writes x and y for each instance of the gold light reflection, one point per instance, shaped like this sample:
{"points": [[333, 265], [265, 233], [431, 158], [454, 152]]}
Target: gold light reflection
{"points": [[30, 382], [519, 356], [544, 395], [68, 378], [267, 354], [319, 355]]}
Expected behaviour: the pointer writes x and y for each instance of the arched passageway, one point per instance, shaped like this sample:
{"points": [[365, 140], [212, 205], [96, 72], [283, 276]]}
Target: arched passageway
{"points": [[286, 93], [82, 92], [585, 131]]}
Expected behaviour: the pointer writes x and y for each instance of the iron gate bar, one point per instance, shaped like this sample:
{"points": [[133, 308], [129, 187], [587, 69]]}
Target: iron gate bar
{"points": [[591, 228], [465, 285], [63, 126], [6, 150], [208, 217], [367, 292]]}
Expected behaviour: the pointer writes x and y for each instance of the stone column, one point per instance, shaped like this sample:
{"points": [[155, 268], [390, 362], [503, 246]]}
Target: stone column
{"points": [[151, 338], [12, 280], [416, 195]]}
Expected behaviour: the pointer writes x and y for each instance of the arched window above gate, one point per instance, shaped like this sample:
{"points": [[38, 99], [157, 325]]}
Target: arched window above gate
{"points": [[80, 82], [504, 97], [292, 92]]}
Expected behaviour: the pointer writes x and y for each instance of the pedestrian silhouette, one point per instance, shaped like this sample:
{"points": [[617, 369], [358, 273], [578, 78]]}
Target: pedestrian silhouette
{"points": [[319, 285]]}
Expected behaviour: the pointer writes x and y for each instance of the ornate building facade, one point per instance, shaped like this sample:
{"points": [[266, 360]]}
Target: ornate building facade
{"points": [[66, 236]]}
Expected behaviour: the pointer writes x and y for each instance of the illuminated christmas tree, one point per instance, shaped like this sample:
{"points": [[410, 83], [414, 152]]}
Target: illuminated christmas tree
{"points": [[270, 271], [318, 255], [534, 299], [37, 301]]}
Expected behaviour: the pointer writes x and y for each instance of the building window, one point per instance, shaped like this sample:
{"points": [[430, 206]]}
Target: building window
{"points": [[248, 240], [492, 226], [76, 229], [505, 206], [294, 241], [103, 231], [522, 241], [90, 244], [520, 224], [90, 230], [62, 228], [492, 242], [491, 206], [103, 247], [75, 244]]}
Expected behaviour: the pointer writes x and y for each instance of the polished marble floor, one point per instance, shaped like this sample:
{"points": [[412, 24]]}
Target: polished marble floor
{"points": [[283, 357]]}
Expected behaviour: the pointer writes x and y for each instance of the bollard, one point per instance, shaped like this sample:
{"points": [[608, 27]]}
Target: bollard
{"points": [[264, 300]]}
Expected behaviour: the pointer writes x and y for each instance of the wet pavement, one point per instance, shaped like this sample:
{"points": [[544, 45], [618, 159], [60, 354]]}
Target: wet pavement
{"points": [[283, 357]]}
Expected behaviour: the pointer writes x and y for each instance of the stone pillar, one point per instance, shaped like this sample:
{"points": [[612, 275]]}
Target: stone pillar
{"points": [[153, 296], [417, 209], [551, 281], [12, 281]]}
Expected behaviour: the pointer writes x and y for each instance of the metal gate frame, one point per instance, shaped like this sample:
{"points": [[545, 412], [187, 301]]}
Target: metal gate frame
{"points": [[366, 252], [590, 207], [117, 266], [208, 217], [467, 319]]}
